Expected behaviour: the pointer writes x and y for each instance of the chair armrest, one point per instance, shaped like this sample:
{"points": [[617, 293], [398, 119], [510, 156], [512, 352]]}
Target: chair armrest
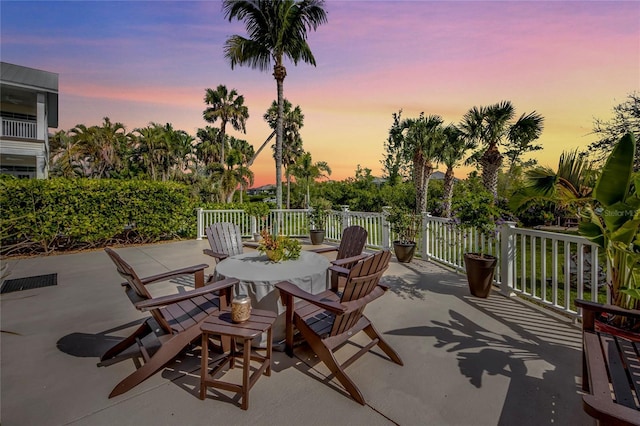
{"points": [[363, 301], [340, 270], [218, 256], [291, 289], [350, 260], [609, 309], [177, 272], [323, 250], [156, 302]]}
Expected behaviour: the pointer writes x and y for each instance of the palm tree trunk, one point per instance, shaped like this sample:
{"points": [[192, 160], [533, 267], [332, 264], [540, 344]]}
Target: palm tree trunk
{"points": [[288, 190], [447, 189], [279, 72], [426, 175], [418, 182], [490, 162]]}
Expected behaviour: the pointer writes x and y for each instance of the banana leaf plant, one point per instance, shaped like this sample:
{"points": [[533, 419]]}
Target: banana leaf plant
{"points": [[612, 221]]}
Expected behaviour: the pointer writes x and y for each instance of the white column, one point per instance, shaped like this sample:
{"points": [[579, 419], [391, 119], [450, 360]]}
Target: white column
{"points": [[507, 257], [386, 231], [41, 117]]}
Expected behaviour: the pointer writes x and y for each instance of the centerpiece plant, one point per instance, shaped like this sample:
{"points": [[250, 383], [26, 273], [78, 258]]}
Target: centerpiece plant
{"points": [[280, 247]]}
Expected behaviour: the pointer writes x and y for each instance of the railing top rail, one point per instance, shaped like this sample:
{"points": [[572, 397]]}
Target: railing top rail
{"points": [[553, 235]]}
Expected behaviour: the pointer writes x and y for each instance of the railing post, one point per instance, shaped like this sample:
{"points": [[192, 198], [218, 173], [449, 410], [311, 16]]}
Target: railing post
{"points": [[507, 257], [345, 218], [200, 225], [425, 235], [386, 231]]}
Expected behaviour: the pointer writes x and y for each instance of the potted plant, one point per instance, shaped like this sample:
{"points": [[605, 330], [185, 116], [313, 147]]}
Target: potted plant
{"points": [[278, 248], [318, 215], [259, 211], [474, 209], [612, 221], [404, 226]]}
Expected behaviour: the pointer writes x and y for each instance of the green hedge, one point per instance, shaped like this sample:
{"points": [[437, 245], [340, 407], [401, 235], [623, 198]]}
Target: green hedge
{"points": [[46, 215]]}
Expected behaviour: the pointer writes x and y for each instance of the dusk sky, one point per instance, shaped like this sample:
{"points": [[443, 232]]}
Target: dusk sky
{"points": [[138, 62]]}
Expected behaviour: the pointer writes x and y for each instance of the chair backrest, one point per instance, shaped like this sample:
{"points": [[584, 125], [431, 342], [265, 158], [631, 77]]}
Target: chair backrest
{"points": [[225, 238], [352, 241], [136, 286], [126, 271], [363, 279]]}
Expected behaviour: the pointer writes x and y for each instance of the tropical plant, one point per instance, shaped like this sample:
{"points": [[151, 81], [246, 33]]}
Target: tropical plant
{"points": [[404, 224], [319, 213], [279, 247], [613, 222], [571, 185], [229, 107], [276, 29], [490, 126]]}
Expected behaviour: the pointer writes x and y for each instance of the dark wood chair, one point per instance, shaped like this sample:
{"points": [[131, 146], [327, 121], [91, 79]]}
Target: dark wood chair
{"points": [[610, 367], [175, 319], [225, 240], [327, 321], [349, 252]]}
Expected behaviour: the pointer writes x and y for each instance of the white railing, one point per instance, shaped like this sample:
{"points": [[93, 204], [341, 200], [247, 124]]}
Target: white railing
{"points": [[19, 128], [549, 268]]}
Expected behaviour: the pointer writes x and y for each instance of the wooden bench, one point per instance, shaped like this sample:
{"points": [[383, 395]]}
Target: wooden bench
{"points": [[610, 368]]}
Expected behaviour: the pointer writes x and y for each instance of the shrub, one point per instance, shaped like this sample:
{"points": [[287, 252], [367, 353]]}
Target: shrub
{"points": [[58, 214]]}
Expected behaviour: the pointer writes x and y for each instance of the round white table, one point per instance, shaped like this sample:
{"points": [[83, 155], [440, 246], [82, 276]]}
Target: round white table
{"points": [[258, 277]]}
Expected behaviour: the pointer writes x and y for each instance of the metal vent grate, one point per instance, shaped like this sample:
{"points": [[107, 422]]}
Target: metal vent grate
{"points": [[28, 283]]}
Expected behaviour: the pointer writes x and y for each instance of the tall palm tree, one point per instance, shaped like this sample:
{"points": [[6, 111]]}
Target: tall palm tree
{"points": [[490, 126], [292, 141], [227, 106], [453, 151], [306, 171], [423, 139], [276, 29]]}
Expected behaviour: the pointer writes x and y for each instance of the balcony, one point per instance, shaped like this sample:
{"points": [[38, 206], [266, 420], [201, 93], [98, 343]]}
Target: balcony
{"points": [[21, 129]]}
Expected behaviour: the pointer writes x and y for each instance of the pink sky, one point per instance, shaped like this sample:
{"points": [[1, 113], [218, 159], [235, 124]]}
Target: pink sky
{"points": [[141, 62]]}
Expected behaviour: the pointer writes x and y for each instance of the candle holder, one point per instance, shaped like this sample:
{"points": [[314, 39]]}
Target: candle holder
{"points": [[240, 308]]}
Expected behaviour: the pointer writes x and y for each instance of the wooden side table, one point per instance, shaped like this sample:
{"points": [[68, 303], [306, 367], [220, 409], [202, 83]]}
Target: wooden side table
{"points": [[220, 324]]}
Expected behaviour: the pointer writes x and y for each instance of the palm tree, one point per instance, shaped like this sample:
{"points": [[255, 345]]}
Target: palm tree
{"points": [[242, 152], [306, 171], [66, 156], [276, 29], [229, 107], [292, 142], [490, 126], [452, 154], [423, 139]]}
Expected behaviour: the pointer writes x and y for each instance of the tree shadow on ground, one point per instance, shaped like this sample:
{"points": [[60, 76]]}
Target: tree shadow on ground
{"points": [[532, 351]]}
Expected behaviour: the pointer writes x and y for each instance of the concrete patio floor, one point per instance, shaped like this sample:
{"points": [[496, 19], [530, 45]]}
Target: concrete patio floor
{"points": [[467, 361]]}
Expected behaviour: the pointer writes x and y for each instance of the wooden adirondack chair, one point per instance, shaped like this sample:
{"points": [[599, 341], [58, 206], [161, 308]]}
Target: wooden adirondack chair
{"points": [[225, 240], [327, 321], [349, 253], [175, 319]]}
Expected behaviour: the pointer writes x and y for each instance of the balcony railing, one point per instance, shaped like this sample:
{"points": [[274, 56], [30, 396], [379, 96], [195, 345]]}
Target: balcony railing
{"points": [[24, 129], [549, 268]]}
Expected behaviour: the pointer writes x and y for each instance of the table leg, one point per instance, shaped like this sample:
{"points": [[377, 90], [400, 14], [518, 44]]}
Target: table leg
{"points": [[246, 368], [269, 351]]}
